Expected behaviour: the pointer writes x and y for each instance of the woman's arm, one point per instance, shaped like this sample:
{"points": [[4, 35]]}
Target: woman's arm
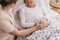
{"points": [[23, 32], [23, 19], [53, 4], [7, 27]]}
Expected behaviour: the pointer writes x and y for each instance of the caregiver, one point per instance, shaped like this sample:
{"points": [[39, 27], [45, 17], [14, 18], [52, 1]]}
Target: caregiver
{"points": [[7, 27]]}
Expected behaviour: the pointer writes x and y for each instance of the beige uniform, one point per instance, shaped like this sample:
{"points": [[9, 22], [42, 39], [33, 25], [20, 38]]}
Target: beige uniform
{"points": [[6, 26]]}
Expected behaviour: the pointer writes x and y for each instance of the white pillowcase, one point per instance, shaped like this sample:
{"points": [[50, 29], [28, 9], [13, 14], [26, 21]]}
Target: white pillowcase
{"points": [[19, 2], [47, 3], [17, 7]]}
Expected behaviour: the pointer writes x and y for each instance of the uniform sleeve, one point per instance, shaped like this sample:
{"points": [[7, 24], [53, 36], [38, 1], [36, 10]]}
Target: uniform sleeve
{"points": [[6, 26], [24, 22]]}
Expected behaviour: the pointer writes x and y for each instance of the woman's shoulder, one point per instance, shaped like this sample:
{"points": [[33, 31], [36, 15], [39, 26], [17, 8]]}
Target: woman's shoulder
{"points": [[1, 10], [2, 15]]}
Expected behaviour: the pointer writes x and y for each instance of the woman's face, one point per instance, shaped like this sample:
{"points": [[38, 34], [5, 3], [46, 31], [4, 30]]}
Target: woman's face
{"points": [[12, 5], [30, 3]]}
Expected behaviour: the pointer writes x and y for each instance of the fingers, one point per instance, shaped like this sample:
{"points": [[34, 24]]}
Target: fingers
{"points": [[43, 25]]}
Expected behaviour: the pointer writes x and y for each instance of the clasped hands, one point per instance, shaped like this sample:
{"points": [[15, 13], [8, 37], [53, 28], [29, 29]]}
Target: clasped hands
{"points": [[41, 24]]}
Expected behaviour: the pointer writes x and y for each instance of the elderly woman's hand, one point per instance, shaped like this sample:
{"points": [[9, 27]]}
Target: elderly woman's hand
{"points": [[44, 20], [41, 24]]}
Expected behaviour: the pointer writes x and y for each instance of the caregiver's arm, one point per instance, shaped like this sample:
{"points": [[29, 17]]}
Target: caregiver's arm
{"points": [[24, 32], [23, 19], [54, 4], [7, 27], [42, 23]]}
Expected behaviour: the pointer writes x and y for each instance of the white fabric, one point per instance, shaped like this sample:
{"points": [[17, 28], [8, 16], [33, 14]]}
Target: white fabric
{"points": [[29, 16], [18, 6], [47, 3], [46, 9]]}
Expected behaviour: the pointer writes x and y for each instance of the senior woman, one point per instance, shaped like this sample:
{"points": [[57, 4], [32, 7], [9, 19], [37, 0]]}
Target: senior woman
{"points": [[52, 32], [7, 27]]}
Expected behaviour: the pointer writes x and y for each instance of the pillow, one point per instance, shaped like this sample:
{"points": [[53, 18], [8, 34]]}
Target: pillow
{"points": [[19, 2], [17, 7], [47, 3]]}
